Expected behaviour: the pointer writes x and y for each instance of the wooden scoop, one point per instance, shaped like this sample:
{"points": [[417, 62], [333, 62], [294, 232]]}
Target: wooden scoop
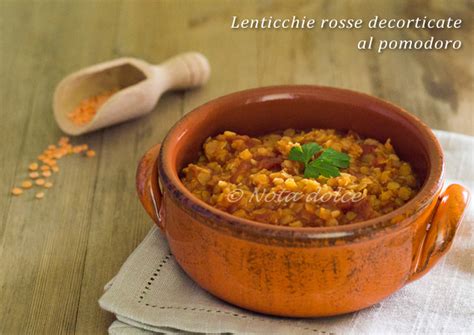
{"points": [[140, 86]]}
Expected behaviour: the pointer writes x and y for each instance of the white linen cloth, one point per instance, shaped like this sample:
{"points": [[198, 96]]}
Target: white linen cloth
{"points": [[151, 294]]}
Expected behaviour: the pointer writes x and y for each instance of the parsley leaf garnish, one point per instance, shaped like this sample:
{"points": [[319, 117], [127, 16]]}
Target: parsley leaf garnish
{"points": [[327, 164], [336, 158], [304, 153]]}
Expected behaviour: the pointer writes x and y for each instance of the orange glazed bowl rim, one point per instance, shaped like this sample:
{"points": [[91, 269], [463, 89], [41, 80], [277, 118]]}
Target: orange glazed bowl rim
{"points": [[218, 219]]}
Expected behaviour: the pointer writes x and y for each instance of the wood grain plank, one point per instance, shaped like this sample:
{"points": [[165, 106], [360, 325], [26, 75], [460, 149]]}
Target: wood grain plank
{"points": [[59, 252], [45, 241], [231, 70], [59, 281], [118, 222], [17, 102]]}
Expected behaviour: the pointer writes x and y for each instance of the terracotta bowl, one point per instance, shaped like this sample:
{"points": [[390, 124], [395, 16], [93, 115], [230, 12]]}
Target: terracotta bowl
{"points": [[301, 272]]}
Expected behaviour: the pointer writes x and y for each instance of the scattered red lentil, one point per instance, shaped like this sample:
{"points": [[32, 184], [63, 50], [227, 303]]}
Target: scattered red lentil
{"points": [[90, 153], [48, 163], [17, 191], [26, 184], [33, 166], [34, 175], [87, 108], [40, 182]]}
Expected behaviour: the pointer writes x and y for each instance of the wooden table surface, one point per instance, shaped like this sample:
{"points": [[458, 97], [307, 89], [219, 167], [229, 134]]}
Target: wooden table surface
{"points": [[57, 254]]}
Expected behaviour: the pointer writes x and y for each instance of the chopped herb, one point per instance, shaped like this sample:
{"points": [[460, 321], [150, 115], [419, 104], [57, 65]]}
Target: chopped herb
{"points": [[304, 153], [327, 164], [336, 158]]}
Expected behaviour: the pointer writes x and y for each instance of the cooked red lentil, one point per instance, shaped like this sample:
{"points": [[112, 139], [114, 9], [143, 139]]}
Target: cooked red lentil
{"points": [[376, 178]]}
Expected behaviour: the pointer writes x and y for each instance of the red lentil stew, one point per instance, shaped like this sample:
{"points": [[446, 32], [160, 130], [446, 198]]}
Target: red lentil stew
{"points": [[254, 177]]}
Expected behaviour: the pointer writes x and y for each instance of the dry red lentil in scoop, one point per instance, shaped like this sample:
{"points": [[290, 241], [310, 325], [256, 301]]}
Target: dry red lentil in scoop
{"points": [[232, 170]]}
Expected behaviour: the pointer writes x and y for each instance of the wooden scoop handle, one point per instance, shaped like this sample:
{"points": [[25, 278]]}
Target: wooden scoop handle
{"points": [[183, 71]]}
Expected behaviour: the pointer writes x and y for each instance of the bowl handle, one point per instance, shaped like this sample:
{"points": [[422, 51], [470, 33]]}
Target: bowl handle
{"points": [[446, 218], [147, 185]]}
